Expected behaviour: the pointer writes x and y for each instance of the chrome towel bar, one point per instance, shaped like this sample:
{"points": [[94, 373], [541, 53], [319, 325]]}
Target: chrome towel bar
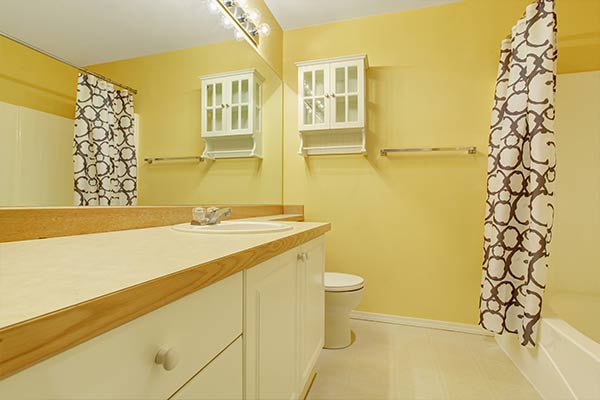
{"points": [[153, 159], [468, 149]]}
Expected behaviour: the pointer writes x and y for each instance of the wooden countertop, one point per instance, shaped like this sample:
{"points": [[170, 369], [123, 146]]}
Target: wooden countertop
{"points": [[56, 293]]}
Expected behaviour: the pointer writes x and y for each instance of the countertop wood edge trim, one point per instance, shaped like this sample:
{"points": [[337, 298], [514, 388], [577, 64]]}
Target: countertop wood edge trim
{"points": [[27, 343]]}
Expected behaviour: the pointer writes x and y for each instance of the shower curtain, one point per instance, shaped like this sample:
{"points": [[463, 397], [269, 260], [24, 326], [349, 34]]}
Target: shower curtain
{"points": [[104, 154], [521, 174]]}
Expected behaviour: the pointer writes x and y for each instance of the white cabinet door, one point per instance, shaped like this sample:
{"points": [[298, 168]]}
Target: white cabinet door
{"points": [[271, 328], [239, 105], [311, 307], [314, 97], [347, 94], [214, 109], [219, 380]]}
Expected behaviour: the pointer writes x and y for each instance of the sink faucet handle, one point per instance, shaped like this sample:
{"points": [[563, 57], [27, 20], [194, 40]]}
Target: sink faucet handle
{"points": [[199, 216]]}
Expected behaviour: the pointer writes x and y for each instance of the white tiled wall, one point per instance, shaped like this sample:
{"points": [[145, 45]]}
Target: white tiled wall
{"points": [[36, 167]]}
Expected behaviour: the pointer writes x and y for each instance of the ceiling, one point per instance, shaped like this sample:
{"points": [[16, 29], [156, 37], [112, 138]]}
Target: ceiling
{"points": [[293, 14], [89, 32]]}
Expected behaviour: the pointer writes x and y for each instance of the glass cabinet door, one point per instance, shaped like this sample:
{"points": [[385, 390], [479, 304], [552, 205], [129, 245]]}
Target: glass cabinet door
{"points": [[314, 104], [347, 95], [240, 114], [214, 108]]}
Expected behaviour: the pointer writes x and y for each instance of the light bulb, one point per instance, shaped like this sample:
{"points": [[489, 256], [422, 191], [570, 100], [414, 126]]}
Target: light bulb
{"points": [[254, 16], [226, 22], [264, 29], [239, 36], [213, 7]]}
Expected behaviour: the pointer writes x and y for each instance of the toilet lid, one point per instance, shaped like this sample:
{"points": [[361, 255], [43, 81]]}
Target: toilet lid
{"points": [[338, 282]]}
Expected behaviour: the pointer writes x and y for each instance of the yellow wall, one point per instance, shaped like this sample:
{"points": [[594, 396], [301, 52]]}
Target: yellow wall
{"points": [[35, 81], [168, 103], [412, 225]]}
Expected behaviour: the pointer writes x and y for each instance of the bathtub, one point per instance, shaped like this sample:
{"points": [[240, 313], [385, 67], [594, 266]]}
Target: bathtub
{"points": [[566, 362]]}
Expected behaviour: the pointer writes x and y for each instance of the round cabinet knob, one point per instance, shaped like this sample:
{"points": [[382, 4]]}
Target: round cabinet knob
{"points": [[168, 358]]}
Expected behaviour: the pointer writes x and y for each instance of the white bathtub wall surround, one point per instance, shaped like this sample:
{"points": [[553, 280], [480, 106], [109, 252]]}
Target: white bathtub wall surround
{"points": [[565, 364], [36, 167]]}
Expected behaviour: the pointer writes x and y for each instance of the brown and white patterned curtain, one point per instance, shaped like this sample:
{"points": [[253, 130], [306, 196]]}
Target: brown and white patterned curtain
{"points": [[104, 154], [521, 175]]}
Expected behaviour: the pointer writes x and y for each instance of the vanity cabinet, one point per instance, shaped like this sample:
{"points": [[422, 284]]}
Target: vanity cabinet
{"points": [[256, 335], [219, 380], [120, 364], [284, 324], [331, 105], [231, 114], [311, 307]]}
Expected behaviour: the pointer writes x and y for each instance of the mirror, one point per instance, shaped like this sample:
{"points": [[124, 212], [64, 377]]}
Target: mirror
{"points": [[200, 92]]}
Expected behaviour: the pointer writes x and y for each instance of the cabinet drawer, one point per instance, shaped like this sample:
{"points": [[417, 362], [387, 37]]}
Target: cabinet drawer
{"points": [[219, 380], [120, 363]]}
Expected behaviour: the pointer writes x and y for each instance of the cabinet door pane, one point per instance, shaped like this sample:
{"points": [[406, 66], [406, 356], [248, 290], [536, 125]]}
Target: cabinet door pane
{"points": [[218, 94], [307, 84], [353, 79], [235, 92], [245, 91], [352, 108], [340, 108], [210, 93], [235, 124], [308, 112], [244, 117], [319, 111], [209, 120], [340, 80], [319, 83], [219, 119]]}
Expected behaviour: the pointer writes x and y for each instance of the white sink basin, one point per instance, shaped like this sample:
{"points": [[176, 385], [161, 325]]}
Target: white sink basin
{"points": [[230, 227]]}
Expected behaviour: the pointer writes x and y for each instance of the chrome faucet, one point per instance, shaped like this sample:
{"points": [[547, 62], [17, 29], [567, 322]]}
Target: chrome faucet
{"points": [[210, 216]]}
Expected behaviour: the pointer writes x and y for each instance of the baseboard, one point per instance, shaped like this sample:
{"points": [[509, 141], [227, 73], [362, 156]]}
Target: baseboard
{"points": [[420, 322]]}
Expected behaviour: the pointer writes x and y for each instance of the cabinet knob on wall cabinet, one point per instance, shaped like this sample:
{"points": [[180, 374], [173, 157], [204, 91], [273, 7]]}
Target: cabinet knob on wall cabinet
{"points": [[168, 358]]}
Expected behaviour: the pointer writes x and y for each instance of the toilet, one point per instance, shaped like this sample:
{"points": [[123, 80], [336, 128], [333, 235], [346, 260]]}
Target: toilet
{"points": [[343, 293]]}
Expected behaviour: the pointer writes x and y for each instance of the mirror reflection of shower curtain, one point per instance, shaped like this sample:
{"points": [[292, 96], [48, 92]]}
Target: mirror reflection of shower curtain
{"points": [[104, 156], [521, 174]]}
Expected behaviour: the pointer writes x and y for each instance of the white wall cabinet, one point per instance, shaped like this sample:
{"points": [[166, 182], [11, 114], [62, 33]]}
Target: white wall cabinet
{"points": [[331, 105], [215, 348], [231, 114], [284, 324]]}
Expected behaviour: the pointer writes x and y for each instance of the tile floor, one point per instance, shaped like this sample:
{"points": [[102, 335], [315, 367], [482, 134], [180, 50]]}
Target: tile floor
{"points": [[401, 362]]}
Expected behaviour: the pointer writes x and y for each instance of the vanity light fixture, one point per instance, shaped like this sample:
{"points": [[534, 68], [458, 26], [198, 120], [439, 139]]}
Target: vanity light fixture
{"points": [[246, 21]]}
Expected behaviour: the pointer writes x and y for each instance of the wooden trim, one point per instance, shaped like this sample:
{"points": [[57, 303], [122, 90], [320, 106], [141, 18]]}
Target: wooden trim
{"points": [[40, 223], [292, 218], [29, 342], [293, 209]]}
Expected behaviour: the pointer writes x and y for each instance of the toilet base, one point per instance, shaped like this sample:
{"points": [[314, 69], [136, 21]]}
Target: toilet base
{"points": [[338, 306]]}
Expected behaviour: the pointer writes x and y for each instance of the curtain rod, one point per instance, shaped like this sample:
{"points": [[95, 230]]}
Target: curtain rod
{"points": [[62, 60]]}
